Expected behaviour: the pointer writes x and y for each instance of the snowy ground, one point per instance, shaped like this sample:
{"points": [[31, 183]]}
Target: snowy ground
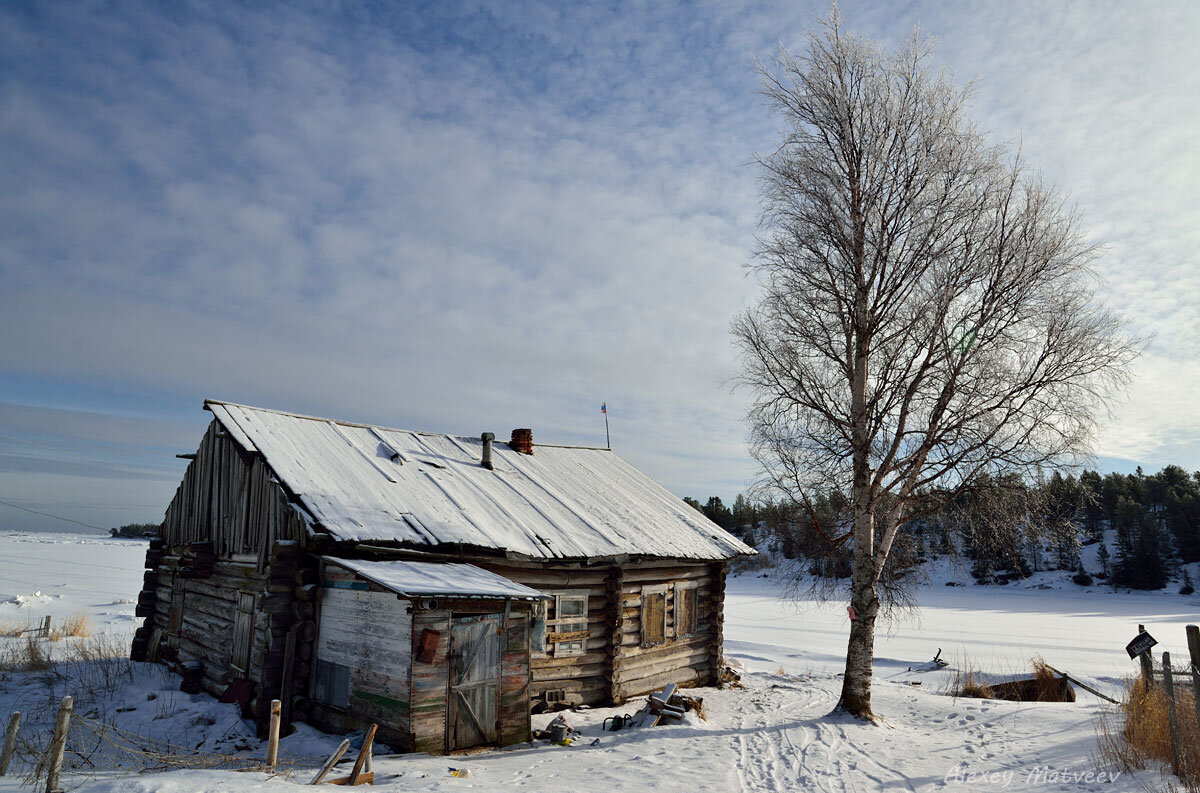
{"points": [[775, 734]]}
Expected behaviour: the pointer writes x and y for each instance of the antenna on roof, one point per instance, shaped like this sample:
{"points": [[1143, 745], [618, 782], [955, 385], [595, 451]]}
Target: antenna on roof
{"points": [[607, 437]]}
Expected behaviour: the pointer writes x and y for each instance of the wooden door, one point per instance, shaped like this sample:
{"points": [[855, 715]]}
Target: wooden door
{"points": [[243, 635], [474, 681]]}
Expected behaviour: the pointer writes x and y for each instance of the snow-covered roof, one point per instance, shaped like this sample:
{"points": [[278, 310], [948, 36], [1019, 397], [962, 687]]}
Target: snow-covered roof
{"points": [[438, 579], [364, 483]]}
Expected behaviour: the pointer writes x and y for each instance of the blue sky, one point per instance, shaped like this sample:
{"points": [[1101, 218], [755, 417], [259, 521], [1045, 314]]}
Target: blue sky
{"points": [[467, 217]]}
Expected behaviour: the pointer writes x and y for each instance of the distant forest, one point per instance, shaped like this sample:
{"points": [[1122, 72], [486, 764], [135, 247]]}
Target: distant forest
{"points": [[136, 530], [1144, 528]]}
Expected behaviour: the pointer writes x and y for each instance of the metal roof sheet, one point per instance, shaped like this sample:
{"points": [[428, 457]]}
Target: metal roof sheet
{"points": [[365, 483]]}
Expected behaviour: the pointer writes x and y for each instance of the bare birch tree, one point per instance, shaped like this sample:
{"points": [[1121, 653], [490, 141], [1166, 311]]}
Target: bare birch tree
{"points": [[928, 315]]}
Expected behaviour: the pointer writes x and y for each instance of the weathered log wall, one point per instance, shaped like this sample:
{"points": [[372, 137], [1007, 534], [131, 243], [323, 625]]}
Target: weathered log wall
{"points": [[687, 660], [616, 665], [229, 498], [585, 676]]}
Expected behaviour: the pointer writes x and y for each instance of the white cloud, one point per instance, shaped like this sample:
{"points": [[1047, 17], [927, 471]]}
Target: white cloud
{"points": [[458, 231]]}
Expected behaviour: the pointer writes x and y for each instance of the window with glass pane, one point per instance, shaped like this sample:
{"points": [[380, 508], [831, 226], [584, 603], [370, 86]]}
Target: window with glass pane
{"points": [[570, 619]]}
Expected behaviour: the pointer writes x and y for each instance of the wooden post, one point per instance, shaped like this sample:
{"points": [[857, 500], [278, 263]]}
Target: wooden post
{"points": [[273, 735], [10, 741], [1193, 634], [368, 738], [1147, 664], [46, 627], [615, 593], [1169, 688], [58, 743], [287, 685]]}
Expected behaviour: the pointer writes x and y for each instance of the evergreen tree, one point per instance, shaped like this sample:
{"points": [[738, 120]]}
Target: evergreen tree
{"points": [[1142, 554], [1105, 564], [718, 513]]}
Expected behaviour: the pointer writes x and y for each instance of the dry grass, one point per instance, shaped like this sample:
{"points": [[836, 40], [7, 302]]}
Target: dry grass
{"points": [[13, 629], [30, 655], [1047, 686], [78, 625], [968, 681], [1137, 734]]}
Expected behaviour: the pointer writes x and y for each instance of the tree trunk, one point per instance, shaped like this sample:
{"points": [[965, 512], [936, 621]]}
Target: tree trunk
{"points": [[860, 651]]}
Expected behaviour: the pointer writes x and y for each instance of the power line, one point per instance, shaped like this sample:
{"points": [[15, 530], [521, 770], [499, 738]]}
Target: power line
{"points": [[56, 517], [76, 457]]}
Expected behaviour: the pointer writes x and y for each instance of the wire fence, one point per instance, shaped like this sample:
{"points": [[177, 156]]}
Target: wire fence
{"points": [[96, 748]]}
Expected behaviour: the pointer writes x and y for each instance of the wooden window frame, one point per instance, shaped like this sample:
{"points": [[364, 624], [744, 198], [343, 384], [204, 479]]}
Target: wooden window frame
{"points": [[680, 588], [573, 647], [647, 591]]}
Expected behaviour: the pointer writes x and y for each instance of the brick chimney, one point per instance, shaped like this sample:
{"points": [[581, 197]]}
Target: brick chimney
{"points": [[522, 441]]}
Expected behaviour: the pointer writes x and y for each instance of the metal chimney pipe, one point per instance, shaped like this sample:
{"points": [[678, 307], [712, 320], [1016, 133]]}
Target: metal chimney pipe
{"points": [[487, 439]]}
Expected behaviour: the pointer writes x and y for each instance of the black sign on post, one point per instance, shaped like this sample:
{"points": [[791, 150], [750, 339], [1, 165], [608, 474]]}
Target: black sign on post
{"points": [[1141, 644]]}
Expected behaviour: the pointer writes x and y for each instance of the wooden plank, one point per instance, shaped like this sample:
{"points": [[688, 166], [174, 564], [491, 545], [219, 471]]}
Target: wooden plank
{"points": [[1193, 638], [616, 622], [1082, 685], [10, 741], [287, 684], [363, 754], [366, 778], [363, 629], [331, 762], [1172, 721], [569, 636]]}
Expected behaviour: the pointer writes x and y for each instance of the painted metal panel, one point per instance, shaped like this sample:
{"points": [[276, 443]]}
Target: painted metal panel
{"points": [[366, 630]]}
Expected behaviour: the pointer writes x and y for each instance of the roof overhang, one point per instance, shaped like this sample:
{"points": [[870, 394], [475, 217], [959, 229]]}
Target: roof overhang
{"points": [[414, 579]]}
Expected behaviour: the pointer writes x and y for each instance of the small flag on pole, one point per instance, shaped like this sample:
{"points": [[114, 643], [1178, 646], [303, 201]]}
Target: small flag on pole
{"points": [[604, 407]]}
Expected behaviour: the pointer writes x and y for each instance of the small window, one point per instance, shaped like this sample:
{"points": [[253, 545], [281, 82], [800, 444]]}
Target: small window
{"points": [[654, 615], [567, 631], [685, 610], [331, 684]]}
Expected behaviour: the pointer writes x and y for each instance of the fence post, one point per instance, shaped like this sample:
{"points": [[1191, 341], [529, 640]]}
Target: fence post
{"points": [[273, 735], [1169, 688], [1147, 664], [10, 741], [1193, 634], [58, 743]]}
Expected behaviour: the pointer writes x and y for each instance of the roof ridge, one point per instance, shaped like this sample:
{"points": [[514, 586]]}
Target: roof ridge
{"points": [[385, 428]]}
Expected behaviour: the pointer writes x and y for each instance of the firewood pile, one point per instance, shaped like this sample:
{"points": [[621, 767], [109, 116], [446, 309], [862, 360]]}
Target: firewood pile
{"points": [[667, 705]]}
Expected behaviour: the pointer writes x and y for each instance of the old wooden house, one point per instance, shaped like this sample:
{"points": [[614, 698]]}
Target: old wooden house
{"points": [[439, 586]]}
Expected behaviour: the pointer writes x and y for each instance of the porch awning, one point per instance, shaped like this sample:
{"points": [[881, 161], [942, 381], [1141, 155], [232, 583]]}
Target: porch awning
{"points": [[438, 579]]}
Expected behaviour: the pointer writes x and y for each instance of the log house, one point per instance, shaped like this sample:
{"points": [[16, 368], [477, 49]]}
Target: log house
{"points": [[604, 585]]}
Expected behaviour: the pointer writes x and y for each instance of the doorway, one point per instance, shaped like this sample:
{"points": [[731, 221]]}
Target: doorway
{"points": [[474, 680]]}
